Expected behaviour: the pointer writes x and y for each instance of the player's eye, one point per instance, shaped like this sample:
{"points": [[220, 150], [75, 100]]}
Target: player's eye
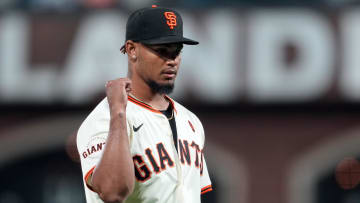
{"points": [[169, 52], [161, 51]]}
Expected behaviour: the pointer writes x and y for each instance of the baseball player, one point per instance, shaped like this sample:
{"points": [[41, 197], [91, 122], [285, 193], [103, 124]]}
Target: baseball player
{"points": [[138, 144]]}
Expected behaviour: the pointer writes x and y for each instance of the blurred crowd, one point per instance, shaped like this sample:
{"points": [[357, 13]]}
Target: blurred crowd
{"points": [[75, 5]]}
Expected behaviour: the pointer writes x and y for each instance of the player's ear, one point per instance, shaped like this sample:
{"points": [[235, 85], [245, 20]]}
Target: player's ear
{"points": [[130, 47]]}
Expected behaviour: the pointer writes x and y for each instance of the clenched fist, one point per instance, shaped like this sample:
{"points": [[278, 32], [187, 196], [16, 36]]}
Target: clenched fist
{"points": [[117, 94]]}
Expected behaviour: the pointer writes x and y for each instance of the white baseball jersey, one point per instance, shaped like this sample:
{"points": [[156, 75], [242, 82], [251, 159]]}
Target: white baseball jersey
{"points": [[163, 174]]}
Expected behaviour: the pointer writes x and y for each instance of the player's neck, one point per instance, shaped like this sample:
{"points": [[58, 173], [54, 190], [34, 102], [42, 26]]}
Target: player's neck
{"points": [[144, 93]]}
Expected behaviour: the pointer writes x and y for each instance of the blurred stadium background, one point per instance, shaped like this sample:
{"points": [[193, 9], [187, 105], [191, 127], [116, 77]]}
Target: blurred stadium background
{"points": [[276, 84]]}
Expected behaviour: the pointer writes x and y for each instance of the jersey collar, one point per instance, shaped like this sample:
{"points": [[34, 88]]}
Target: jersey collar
{"points": [[149, 107]]}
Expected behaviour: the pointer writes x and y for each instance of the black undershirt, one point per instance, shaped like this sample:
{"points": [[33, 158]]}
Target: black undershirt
{"points": [[169, 114]]}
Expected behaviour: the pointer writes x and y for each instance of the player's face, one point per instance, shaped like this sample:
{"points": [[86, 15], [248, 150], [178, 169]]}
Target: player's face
{"points": [[159, 65]]}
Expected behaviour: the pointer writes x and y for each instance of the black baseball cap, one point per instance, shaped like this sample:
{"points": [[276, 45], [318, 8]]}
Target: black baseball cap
{"points": [[156, 25]]}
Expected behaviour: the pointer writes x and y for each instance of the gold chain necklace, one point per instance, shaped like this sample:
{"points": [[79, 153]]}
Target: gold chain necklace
{"points": [[172, 114]]}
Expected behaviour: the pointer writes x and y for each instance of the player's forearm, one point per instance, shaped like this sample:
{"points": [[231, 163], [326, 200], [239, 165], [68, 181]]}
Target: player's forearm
{"points": [[113, 178]]}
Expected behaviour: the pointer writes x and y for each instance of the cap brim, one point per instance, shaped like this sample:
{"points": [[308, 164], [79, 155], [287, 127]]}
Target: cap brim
{"points": [[169, 40]]}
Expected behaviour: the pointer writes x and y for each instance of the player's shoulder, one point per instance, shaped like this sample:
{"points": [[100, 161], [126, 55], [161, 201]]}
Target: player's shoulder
{"points": [[100, 112], [97, 120]]}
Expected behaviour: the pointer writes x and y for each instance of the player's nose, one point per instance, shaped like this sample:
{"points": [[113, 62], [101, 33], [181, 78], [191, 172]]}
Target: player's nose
{"points": [[173, 61]]}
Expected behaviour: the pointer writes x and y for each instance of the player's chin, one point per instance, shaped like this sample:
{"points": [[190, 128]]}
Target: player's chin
{"points": [[168, 80], [168, 83], [163, 87]]}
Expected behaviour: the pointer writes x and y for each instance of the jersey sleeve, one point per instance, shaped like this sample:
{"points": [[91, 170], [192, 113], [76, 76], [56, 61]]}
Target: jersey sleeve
{"points": [[204, 178], [91, 142]]}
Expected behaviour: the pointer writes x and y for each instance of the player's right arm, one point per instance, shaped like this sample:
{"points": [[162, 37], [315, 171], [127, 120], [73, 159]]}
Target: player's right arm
{"points": [[113, 178]]}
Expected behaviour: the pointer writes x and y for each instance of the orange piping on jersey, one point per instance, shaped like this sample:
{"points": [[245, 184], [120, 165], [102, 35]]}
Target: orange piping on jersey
{"points": [[142, 104], [88, 174], [206, 189], [138, 101], [148, 107], [171, 102]]}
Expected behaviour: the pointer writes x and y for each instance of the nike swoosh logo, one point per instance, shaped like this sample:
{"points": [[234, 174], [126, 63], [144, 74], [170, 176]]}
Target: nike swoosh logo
{"points": [[137, 128]]}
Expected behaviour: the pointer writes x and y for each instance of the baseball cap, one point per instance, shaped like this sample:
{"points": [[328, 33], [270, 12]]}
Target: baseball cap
{"points": [[156, 25]]}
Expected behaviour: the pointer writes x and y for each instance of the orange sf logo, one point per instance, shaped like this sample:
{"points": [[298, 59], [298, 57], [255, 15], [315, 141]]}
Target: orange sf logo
{"points": [[171, 19]]}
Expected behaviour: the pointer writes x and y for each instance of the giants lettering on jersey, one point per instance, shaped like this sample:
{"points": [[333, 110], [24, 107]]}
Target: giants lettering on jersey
{"points": [[92, 149], [143, 171]]}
